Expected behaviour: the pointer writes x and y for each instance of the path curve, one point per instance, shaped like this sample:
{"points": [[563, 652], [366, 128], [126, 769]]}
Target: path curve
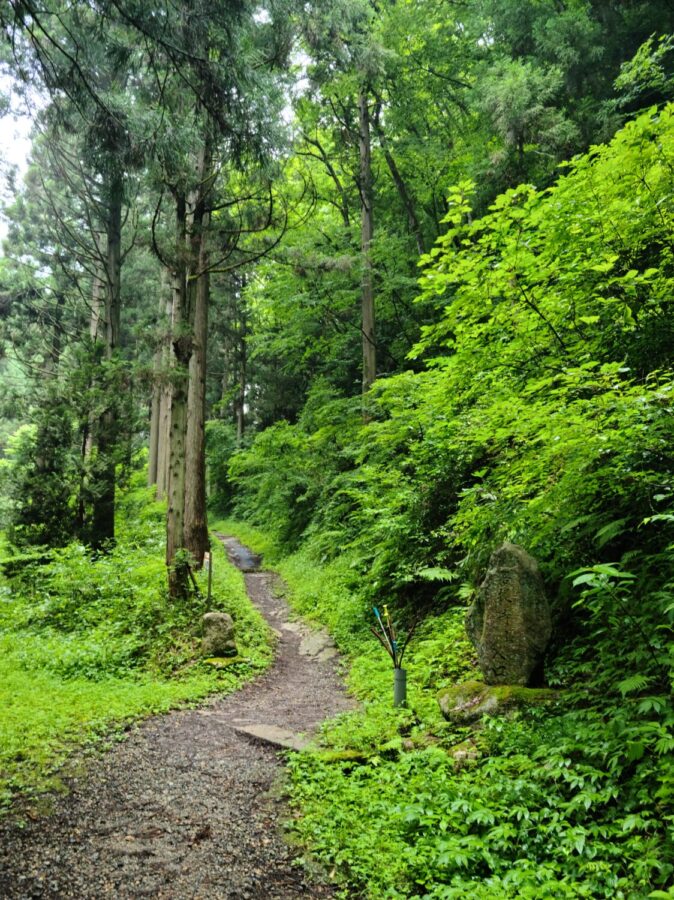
{"points": [[186, 806]]}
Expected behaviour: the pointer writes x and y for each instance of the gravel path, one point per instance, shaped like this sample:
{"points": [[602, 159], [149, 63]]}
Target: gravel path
{"points": [[186, 807]]}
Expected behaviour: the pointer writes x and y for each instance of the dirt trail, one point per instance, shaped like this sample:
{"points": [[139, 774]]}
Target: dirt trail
{"points": [[185, 807]]}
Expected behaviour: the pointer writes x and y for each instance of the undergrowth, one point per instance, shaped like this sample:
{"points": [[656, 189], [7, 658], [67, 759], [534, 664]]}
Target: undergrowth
{"points": [[538, 409], [574, 800], [88, 643]]}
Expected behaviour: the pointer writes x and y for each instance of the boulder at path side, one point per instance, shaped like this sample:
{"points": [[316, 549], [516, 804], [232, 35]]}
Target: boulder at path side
{"points": [[218, 635], [509, 623], [466, 703]]}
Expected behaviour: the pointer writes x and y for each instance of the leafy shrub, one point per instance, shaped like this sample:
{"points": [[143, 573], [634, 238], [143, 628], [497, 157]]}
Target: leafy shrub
{"points": [[552, 811]]}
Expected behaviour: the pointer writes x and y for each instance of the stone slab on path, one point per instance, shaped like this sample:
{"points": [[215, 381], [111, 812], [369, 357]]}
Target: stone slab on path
{"points": [[281, 738], [316, 644], [186, 807]]}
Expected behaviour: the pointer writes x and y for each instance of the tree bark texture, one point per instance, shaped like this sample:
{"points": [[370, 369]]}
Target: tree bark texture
{"points": [[153, 445], [196, 524], [241, 364], [164, 436], [155, 470], [103, 514], [178, 574]]}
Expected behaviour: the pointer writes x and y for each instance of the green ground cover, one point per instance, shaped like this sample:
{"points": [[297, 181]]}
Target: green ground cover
{"points": [[571, 800], [89, 644]]}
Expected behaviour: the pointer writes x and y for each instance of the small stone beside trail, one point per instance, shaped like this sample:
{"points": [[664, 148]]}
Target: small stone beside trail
{"points": [[510, 623], [218, 635]]}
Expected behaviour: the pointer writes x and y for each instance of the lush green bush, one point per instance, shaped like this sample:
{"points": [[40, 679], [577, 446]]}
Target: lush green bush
{"points": [[38, 477], [553, 809], [573, 800]]}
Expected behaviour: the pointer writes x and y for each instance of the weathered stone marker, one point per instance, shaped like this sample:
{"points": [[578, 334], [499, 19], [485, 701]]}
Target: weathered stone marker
{"points": [[218, 635], [509, 623]]}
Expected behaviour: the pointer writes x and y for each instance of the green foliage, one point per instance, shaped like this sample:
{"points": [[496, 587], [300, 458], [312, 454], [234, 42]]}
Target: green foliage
{"points": [[519, 98], [46, 717], [574, 52], [647, 77], [571, 801], [538, 408], [53, 475], [38, 479], [551, 810], [543, 416], [220, 445], [88, 641], [306, 457]]}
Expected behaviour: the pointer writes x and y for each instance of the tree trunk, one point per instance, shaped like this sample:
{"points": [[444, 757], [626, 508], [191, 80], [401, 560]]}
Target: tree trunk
{"points": [[98, 289], [242, 367], [103, 515], [96, 318], [196, 524], [164, 436], [178, 569], [155, 460], [53, 356], [367, 231], [96, 332], [236, 357], [153, 442], [114, 265], [240, 405]]}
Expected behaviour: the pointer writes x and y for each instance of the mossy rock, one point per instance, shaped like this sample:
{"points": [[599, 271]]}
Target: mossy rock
{"points": [[389, 751], [218, 635], [464, 754], [355, 757], [222, 662], [471, 700]]}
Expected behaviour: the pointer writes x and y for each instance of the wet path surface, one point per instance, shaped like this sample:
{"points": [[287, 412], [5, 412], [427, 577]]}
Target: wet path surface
{"points": [[186, 807]]}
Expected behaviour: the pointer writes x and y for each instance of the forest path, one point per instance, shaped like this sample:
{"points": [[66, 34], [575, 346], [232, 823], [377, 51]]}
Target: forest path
{"points": [[185, 807]]}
